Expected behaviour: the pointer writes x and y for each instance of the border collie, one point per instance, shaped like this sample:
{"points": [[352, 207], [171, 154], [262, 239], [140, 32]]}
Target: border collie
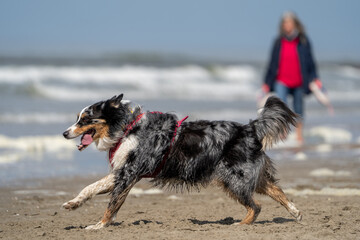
{"points": [[182, 153]]}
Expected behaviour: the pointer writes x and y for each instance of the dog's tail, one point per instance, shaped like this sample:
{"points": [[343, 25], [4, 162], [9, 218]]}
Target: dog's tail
{"points": [[274, 122]]}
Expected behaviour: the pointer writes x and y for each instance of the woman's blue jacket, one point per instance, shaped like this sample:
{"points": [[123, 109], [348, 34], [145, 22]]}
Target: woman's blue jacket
{"points": [[308, 68]]}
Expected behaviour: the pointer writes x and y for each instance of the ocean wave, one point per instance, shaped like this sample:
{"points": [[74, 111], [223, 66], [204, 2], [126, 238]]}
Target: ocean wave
{"points": [[331, 135], [349, 71], [36, 143], [191, 91], [83, 83], [341, 95], [123, 74], [325, 172], [17, 149], [327, 191], [36, 117], [323, 136], [193, 82]]}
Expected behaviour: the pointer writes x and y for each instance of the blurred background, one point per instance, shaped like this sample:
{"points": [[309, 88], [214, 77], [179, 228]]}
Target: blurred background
{"points": [[205, 59]]}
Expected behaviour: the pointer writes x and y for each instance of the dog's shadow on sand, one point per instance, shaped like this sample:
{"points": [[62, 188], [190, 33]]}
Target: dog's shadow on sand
{"points": [[278, 220], [116, 224], [83, 227], [225, 221], [230, 221]]}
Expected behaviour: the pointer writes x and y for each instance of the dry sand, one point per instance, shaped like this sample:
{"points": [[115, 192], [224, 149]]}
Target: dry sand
{"points": [[33, 211]]}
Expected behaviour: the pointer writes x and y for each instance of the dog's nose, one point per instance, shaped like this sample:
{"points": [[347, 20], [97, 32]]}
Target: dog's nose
{"points": [[66, 134]]}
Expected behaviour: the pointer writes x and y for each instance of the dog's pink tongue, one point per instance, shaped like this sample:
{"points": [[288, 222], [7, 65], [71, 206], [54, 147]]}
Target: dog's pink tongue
{"points": [[87, 139]]}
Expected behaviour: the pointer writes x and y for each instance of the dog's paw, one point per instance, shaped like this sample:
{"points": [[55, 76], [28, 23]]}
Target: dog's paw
{"points": [[299, 217], [97, 226], [72, 205]]}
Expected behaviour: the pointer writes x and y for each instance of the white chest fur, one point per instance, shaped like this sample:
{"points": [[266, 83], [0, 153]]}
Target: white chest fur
{"points": [[120, 156]]}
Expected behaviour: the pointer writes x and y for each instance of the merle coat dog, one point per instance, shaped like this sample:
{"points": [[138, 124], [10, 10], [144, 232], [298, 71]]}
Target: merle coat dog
{"points": [[182, 154]]}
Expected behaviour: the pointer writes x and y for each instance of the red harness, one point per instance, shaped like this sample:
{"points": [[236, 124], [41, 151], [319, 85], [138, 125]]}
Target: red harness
{"points": [[129, 127]]}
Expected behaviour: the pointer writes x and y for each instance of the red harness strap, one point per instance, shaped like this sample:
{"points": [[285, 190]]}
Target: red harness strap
{"points": [[128, 128], [158, 169]]}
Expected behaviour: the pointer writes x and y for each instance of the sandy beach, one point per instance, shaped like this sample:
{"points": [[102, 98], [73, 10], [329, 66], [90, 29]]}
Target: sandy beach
{"points": [[326, 192], [208, 60], [322, 178]]}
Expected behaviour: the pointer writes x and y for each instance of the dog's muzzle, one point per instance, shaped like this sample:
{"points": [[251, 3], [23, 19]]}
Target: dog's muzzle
{"points": [[66, 134]]}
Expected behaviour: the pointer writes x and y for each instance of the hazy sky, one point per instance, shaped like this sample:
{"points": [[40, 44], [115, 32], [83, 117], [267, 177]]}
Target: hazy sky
{"points": [[227, 29]]}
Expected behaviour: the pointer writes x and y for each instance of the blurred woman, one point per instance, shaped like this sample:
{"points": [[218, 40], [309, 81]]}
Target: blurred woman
{"points": [[291, 68]]}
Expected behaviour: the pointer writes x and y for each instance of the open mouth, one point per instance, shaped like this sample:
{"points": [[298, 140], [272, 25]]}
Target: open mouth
{"points": [[86, 139]]}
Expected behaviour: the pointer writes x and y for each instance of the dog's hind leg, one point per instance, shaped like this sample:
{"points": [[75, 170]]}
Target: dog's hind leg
{"points": [[104, 185], [252, 206], [253, 209], [275, 192]]}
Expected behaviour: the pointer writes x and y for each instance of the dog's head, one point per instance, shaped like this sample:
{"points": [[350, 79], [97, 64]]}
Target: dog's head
{"points": [[94, 122]]}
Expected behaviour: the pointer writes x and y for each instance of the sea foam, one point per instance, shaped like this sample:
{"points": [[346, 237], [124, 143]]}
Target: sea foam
{"points": [[36, 117], [328, 191], [17, 149], [98, 82], [331, 134], [325, 172], [36, 143]]}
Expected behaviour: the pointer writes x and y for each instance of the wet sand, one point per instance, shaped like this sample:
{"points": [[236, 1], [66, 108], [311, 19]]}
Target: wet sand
{"points": [[33, 211]]}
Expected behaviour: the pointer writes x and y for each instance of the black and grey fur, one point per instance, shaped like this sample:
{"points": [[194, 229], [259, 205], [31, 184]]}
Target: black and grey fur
{"points": [[228, 153]]}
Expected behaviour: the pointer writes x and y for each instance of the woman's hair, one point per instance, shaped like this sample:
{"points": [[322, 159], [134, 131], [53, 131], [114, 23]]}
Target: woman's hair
{"points": [[299, 26]]}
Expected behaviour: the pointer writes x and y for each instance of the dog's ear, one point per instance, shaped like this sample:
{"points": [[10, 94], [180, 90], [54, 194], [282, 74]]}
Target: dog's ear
{"points": [[125, 102], [115, 101]]}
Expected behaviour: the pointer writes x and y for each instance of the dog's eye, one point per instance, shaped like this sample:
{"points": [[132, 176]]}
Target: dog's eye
{"points": [[86, 119], [98, 120]]}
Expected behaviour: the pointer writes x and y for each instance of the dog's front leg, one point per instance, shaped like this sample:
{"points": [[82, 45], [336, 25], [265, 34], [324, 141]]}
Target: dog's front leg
{"points": [[123, 185], [104, 185]]}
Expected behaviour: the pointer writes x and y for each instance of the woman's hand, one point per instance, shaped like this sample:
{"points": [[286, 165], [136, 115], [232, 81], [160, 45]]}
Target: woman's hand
{"points": [[265, 88], [320, 94], [318, 83]]}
